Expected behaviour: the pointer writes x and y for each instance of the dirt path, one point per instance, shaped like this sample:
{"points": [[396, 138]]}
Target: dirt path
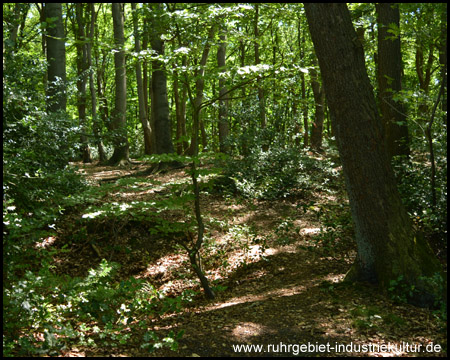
{"points": [[290, 294]]}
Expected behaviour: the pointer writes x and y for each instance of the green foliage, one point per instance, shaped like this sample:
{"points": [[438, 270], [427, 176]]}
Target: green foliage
{"points": [[279, 172], [439, 285], [366, 318], [285, 232], [415, 189], [98, 310], [336, 225], [402, 292], [37, 147], [95, 311]]}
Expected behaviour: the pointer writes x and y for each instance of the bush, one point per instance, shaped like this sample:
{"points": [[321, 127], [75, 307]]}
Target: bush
{"points": [[95, 311], [415, 190], [279, 172]]}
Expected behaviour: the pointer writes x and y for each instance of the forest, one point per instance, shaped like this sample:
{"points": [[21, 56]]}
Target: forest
{"points": [[225, 179]]}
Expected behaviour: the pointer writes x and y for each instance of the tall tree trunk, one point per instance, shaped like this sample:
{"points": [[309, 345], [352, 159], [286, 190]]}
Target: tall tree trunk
{"points": [[261, 97], [199, 87], [443, 59], [95, 121], [389, 80], [387, 245], [247, 126], [203, 134], [143, 116], [56, 57], [82, 67], [304, 105], [429, 134], [178, 114], [101, 86], [423, 71], [147, 84], [160, 104], [180, 110], [119, 120], [42, 18], [223, 102], [319, 116]]}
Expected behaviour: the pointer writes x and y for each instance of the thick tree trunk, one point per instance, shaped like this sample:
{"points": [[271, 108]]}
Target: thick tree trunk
{"points": [[387, 245], [160, 104], [389, 81], [119, 124], [56, 57]]}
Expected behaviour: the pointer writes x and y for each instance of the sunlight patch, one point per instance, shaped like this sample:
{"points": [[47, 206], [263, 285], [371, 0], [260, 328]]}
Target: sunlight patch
{"points": [[335, 278], [93, 215], [249, 329], [310, 230], [46, 242]]}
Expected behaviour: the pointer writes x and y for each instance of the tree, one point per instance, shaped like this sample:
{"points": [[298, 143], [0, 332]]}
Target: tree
{"points": [[301, 48], [319, 116], [199, 87], [101, 59], [160, 104], [389, 79], [261, 96], [387, 245], [95, 120], [223, 103], [82, 67], [14, 20], [119, 120], [143, 116], [56, 57]]}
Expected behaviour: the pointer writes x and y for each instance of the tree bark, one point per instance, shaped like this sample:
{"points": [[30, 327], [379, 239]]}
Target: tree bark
{"points": [[56, 57], [160, 104], [423, 71], [199, 86], [261, 95], [223, 102], [143, 116], [304, 105], [387, 246], [119, 122], [319, 116], [82, 67], [180, 110], [389, 80], [95, 121]]}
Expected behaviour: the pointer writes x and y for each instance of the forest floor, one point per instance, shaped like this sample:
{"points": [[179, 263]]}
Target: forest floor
{"points": [[278, 264]]}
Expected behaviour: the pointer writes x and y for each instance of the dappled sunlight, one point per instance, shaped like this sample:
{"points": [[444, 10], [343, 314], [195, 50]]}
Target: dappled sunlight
{"points": [[334, 278], [48, 241], [247, 330], [165, 265], [309, 231], [256, 298]]}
